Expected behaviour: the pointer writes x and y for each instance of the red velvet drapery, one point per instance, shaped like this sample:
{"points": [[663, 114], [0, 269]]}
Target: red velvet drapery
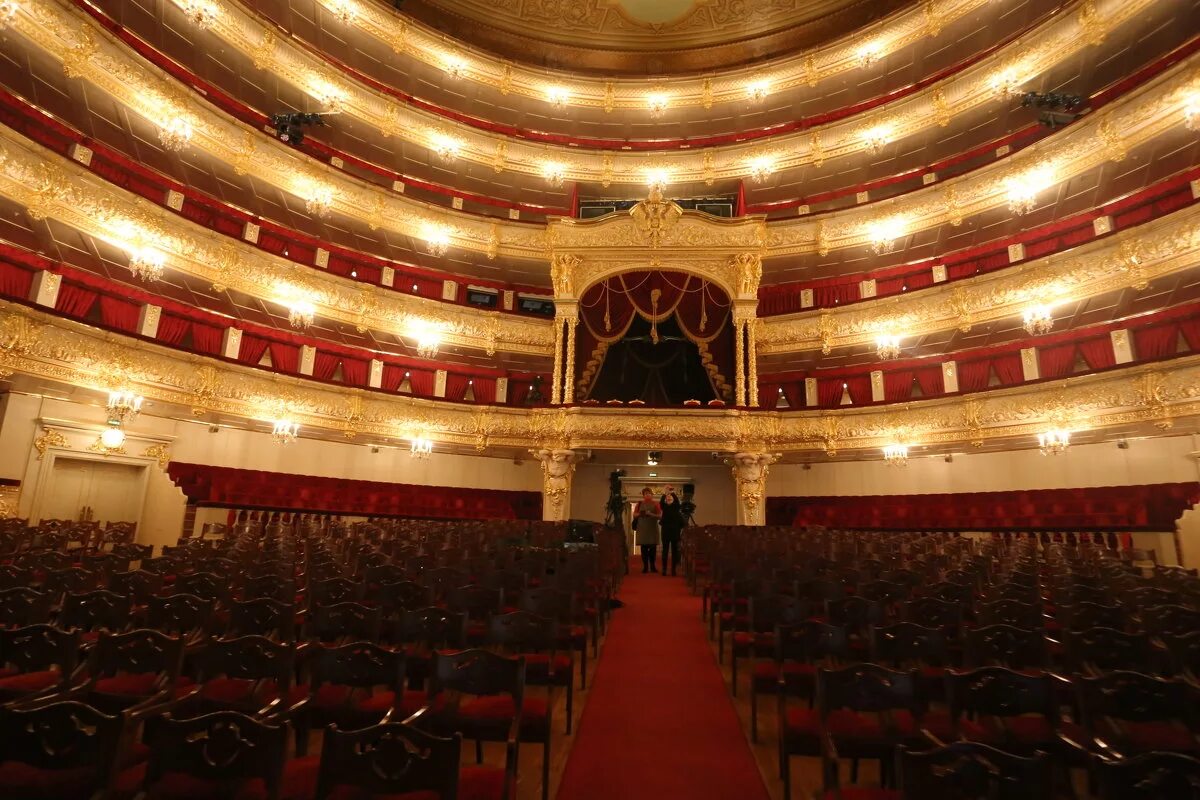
{"points": [[701, 310], [206, 338], [1098, 352], [456, 386], [1056, 361], [75, 301], [285, 357], [355, 371], [252, 349], [897, 385], [421, 381], [120, 314], [1155, 341], [172, 329]]}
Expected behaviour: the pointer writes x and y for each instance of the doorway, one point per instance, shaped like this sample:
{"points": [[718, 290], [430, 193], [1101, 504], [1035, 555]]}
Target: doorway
{"points": [[94, 491]]}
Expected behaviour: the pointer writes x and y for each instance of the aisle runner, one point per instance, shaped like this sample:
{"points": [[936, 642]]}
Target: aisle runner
{"points": [[659, 723]]}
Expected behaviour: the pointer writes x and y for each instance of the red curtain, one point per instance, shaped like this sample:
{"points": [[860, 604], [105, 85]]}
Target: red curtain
{"points": [[252, 349], [393, 376], [930, 381], [324, 365], [973, 375], [456, 385], [284, 357], [75, 301], [860, 389], [1008, 369], [421, 381], [14, 281], [1191, 333], [1098, 352], [1155, 341], [1056, 361], [206, 338], [120, 314], [768, 394], [355, 371], [485, 390], [897, 385], [829, 392], [172, 329]]}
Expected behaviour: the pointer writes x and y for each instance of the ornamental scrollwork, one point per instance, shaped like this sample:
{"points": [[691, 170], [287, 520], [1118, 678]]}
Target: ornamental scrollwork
{"points": [[160, 453], [46, 439]]}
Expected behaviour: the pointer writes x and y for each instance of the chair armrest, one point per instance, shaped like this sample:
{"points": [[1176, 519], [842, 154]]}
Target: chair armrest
{"points": [[931, 738], [158, 703], [44, 698]]}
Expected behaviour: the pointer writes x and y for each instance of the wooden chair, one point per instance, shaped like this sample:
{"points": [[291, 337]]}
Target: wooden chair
{"points": [[36, 660], [1014, 711], [971, 769], [799, 649], [246, 674], [262, 616], [64, 749], [184, 615], [1149, 776], [1128, 713], [1094, 651], [535, 639], [22, 606], [346, 622], [1006, 646], [96, 612]]}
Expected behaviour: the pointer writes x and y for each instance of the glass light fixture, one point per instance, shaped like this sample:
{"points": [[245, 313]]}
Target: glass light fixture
{"points": [[557, 95], [1191, 112], [883, 233], [428, 338], [444, 146], [421, 447], [887, 346], [147, 263], [344, 10], [1038, 320], [112, 437], [896, 455], [437, 239], [877, 136], [284, 431], [175, 132], [1022, 189], [123, 406], [454, 65], [1054, 441], [657, 102], [657, 179], [301, 313], [1007, 82], [757, 90], [868, 53], [761, 168], [318, 200], [200, 13], [554, 172]]}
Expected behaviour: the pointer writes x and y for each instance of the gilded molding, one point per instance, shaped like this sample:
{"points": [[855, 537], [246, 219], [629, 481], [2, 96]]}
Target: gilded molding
{"points": [[52, 348], [61, 189], [1132, 258], [109, 65], [46, 439]]}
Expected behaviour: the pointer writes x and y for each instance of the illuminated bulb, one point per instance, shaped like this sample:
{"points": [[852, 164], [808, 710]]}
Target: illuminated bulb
{"points": [[1038, 320], [758, 90], [446, 148], [301, 313], [454, 65], [147, 263], [1022, 190], [883, 233], [876, 137], [421, 447], [657, 180], [123, 406], [1006, 82], [868, 53], [554, 172], [887, 346], [657, 103], [896, 455], [557, 95], [1054, 441], [437, 239], [428, 337], [200, 13], [285, 431], [344, 10], [112, 437], [761, 168], [318, 200], [1191, 112], [175, 133], [331, 97]]}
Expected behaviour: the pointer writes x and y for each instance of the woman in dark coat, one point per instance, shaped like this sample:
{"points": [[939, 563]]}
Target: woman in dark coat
{"points": [[672, 530], [646, 529]]}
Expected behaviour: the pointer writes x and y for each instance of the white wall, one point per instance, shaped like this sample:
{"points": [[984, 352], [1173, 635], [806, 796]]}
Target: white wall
{"points": [[714, 490], [163, 514]]}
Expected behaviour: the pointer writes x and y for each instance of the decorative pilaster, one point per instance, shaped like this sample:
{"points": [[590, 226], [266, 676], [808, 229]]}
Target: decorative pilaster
{"points": [[558, 472], [569, 378], [750, 485], [739, 357], [556, 380], [752, 359]]}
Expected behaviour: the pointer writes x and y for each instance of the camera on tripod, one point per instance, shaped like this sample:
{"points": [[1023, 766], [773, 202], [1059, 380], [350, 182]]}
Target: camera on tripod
{"points": [[289, 126]]}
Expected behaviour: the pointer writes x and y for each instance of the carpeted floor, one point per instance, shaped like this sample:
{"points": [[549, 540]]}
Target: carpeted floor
{"points": [[659, 722]]}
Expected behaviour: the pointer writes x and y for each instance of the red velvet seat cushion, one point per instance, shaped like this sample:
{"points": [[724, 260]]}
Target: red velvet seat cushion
{"points": [[746, 639], [138, 684], [766, 674], [1167, 736], [537, 666], [843, 724], [495, 713], [20, 780], [861, 793], [30, 681], [299, 782], [474, 783]]}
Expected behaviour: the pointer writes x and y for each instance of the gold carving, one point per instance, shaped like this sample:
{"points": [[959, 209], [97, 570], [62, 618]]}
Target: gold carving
{"points": [[941, 109], [500, 157], [749, 272], [264, 54], [160, 453], [562, 274], [655, 216], [46, 439], [706, 94]]}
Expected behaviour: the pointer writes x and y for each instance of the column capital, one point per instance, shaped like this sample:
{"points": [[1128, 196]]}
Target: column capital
{"points": [[750, 483], [558, 472]]}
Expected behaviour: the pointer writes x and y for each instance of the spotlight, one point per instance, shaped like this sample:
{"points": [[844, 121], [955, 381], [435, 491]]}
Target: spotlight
{"points": [[289, 127], [1057, 109], [1122, 444]]}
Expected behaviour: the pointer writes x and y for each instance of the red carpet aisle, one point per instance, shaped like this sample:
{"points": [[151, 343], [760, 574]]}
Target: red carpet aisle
{"points": [[659, 723]]}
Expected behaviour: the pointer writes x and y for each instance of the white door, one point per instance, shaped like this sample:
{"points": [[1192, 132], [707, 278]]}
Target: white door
{"points": [[114, 492]]}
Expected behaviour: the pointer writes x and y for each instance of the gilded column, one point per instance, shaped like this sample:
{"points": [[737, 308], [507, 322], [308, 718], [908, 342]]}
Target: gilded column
{"points": [[558, 473], [752, 361], [556, 381], [750, 485], [569, 383], [739, 357]]}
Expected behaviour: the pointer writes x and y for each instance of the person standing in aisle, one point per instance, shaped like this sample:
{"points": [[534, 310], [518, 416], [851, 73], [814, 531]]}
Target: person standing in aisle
{"points": [[649, 512], [672, 530]]}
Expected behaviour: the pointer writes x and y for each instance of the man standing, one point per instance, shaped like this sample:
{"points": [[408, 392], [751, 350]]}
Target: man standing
{"points": [[672, 528]]}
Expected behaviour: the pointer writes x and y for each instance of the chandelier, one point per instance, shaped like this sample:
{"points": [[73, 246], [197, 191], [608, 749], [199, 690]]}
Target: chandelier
{"points": [[896, 455], [887, 347], [437, 239], [761, 167], [123, 406], [175, 133], [554, 172], [758, 90], [421, 447], [883, 233], [285, 431], [1054, 441], [318, 201], [1023, 189], [8, 12], [446, 148], [301, 313], [455, 66], [657, 180], [876, 137], [657, 103], [344, 10], [1006, 83], [868, 53], [200, 13], [428, 338], [557, 95], [147, 263], [1191, 112], [1038, 320]]}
